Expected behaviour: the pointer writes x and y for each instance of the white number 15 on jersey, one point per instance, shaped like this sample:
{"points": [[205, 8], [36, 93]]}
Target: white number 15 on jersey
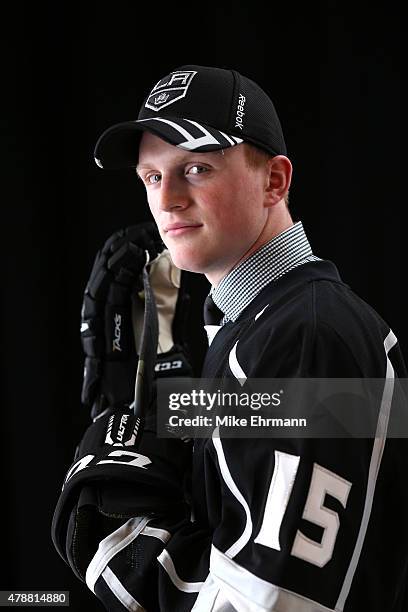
{"points": [[323, 481]]}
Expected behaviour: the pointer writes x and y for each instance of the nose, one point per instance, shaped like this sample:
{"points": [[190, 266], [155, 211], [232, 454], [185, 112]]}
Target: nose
{"points": [[173, 194]]}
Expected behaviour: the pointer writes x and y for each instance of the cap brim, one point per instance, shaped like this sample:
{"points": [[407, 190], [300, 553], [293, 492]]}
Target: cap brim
{"points": [[118, 146]]}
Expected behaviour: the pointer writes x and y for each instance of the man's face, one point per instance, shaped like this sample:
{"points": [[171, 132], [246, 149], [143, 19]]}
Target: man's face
{"points": [[209, 207]]}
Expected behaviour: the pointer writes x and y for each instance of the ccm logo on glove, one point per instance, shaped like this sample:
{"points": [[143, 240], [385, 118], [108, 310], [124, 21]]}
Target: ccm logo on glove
{"points": [[115, 430], [139, 461], [168, 365]]}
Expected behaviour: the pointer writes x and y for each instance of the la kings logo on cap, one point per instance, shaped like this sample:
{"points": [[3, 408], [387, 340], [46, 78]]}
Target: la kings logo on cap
{"points": [[169, 89]]}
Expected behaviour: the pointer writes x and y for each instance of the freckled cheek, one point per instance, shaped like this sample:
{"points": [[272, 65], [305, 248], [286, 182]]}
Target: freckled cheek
{"points": [[218, 207], [153, 209], [231, 219], [151, 204]]}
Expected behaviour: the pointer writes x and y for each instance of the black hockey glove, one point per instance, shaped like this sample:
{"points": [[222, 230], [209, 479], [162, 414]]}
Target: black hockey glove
{"points": [[112, 317], [121, 470]]}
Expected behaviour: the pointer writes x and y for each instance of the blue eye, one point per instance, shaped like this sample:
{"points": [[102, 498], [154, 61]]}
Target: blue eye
{"points": [[197, 169], [151, 178]]}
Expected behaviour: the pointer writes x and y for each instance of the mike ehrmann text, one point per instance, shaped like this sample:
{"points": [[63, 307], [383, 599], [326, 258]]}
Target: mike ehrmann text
{"points": [[256, 420]]}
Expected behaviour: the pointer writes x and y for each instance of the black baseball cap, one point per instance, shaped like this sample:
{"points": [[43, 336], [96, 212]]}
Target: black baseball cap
{"points": [[196, 108]]}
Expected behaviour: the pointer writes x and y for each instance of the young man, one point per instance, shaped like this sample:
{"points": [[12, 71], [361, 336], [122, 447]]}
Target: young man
{"points": [[285, 524]]}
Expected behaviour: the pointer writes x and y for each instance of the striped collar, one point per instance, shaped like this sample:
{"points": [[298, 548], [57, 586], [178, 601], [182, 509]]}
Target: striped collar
{"points": [[284, 252]]}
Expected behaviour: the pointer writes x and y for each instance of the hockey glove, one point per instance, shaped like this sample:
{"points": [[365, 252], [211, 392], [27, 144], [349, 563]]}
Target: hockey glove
{"points": [[119, 472], [112, 317]]}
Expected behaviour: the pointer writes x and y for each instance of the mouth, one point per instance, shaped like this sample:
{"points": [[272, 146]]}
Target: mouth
{"points": [[176, 229]]}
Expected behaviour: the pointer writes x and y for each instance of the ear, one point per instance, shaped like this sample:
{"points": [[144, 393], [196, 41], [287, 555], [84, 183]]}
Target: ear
{"points": [[279, 176]]}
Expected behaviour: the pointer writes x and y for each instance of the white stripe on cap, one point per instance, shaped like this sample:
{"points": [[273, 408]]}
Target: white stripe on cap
{"points": [[191, 142], [229, 139]]}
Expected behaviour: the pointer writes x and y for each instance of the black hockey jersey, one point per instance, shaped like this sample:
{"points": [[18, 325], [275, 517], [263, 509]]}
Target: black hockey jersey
{"points": [[285, 525]]}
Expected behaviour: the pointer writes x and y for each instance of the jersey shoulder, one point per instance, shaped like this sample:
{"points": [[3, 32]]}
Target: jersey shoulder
{"points": [[311, 325]]}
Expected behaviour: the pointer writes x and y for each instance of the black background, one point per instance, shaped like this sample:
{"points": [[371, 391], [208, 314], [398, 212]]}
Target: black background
{"points": [[69, 70]]}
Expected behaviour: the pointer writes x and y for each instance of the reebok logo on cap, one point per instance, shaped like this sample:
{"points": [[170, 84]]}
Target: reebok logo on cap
{"points": [[239, 119], [168, 90]]}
